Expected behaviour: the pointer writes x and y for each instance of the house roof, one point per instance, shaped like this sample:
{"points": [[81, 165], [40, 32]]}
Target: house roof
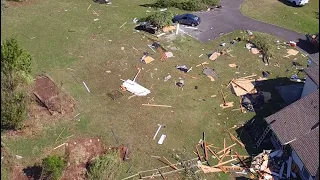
{"points": [[307, 148], [297, 119], [313, 73], [314, 57]]}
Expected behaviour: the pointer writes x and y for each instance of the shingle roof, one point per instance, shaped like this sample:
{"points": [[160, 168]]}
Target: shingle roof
{"points": [[313, 73], [307, 148], [314, 57], [297, 119]]}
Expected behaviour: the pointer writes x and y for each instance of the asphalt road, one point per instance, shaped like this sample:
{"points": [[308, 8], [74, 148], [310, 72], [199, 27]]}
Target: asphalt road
{"points": [[229, 18]]}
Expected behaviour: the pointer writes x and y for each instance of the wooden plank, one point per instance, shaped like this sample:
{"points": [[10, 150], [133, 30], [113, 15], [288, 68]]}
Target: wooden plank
{"points": [[208, 169], [223, 156], [161, 174], [224, 145], [170, 164], [235, 139], [213, 153], [156, 105], [197, 150], [223, 163], [226, 148]]}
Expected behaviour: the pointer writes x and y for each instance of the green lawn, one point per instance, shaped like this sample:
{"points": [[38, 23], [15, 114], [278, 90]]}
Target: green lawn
{"points": [[54, 49], [300, 19]]}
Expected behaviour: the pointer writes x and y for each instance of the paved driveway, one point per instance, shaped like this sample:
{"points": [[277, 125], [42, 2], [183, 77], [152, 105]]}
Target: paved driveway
{"points": [[229, 18]]}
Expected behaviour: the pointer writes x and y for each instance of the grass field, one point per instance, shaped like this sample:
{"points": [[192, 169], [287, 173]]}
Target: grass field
{"points": [[95, 47], [300, 19]]}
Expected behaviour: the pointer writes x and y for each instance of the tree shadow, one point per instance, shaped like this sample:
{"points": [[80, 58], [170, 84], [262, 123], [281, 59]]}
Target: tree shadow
{"points": [[252, 130], [33, 172], [305, 45]]}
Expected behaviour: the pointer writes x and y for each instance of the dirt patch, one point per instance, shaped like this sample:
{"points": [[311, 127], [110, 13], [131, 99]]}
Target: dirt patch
{"points": [[51, 97], [79, 153]]}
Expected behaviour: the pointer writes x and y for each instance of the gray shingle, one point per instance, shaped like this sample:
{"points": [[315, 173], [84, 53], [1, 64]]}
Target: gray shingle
{"points": [[307, 148], [297, 119], [313, 73]]}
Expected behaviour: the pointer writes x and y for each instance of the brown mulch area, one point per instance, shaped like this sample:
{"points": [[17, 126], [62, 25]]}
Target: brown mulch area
{"points": [[79, 153]]}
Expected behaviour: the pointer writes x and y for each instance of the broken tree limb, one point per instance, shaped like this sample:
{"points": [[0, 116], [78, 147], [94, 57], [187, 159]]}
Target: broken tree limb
{"points": [[156, 105], [227, 148]]}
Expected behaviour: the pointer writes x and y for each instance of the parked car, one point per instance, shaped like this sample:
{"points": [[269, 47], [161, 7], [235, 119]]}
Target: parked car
{"points": [[299, 2], [187, 19]]}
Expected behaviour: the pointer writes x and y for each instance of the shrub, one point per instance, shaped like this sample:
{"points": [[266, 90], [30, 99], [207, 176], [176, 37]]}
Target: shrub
{"points": [[211, 2], [165, 3], [13, 109], [108, 166], [191, 5], [53, 167], [160, 19], [15, 75]]}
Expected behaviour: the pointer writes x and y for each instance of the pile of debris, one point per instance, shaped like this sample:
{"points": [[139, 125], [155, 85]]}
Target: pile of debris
{"points": [[271, 165]]}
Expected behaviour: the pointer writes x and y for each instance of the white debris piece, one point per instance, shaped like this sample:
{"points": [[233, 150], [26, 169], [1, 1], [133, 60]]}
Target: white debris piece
{"points": [[135, 88], [162, 139]]}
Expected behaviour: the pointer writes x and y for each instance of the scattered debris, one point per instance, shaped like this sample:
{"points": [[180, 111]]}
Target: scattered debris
{"points": [[210, 73], [168, 28], [291, 52], [225, 103], [201, 64], [254, 51], [96, 19], [135, 20], [167, 78], [146, 59], [200, 55], [123, 25], [156, 105], [183, 68], [162, 139], [159, 35], [188, 27], [223, 44], [233, 65], [180, 83], [214, 56], [241, 86], [155, 135], [169, 54], [134, 87], [249, 46], [88, 7], [163, 9], [86, 86], [18, 157]]}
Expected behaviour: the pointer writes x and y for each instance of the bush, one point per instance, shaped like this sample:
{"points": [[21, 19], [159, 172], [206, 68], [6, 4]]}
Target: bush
{"points": [[191, 5], [13, 109], [53, 167], [160, 19], [188, 5], [15, 75], [108, 166]]}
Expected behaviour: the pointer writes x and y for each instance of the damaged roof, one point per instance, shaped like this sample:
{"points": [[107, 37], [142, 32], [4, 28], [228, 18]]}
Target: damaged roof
{"points": [[297, 119], [307, 148], [313, 73]]}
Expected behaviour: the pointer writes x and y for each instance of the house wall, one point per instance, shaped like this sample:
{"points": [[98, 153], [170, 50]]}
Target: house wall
{"points": [[299, 163], [309, 87]]}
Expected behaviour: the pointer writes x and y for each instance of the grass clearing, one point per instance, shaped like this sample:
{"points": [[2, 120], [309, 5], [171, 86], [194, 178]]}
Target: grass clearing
{"points": [[300, 19], [90, 53]]}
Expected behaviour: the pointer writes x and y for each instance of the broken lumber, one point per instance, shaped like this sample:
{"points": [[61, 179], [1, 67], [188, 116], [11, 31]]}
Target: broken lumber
{"points": [[197, 150], [224, 155], [227, 148], [184, 74], [223, 163], [170, 164], [235, 139], [213, 153], [156, 105], [208, 169], [59, 146]]}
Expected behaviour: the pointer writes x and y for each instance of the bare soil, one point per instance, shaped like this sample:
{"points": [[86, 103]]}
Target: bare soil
{"points": [[79, 153]]}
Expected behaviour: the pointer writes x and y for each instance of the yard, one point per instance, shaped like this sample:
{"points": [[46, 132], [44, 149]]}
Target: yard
{"points": [[71, 47], [303, 19]]}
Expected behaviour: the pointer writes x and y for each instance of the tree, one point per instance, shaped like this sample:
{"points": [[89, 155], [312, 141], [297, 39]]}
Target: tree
{"points": [[15, 75], [53, 167]]}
